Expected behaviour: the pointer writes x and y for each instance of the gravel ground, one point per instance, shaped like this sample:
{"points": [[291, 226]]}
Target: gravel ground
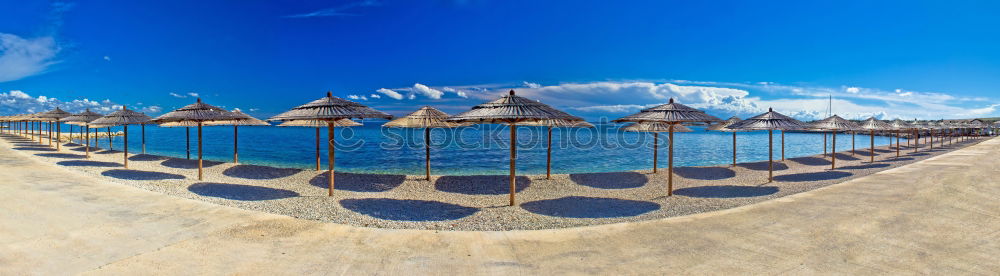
{"points": [[472, 202]]}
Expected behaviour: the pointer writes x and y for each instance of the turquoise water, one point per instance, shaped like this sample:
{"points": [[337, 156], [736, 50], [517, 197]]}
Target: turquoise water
{"points": [[482, 150]]}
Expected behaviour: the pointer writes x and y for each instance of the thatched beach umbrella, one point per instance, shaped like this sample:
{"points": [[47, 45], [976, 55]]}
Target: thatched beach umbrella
{"points": [[872, 125], [549, 124], [199, 113], [899, 126], [770, 121], [671, 113], [318, 125], [656, 128], [330, 109], [834, 124], [123, 118], [83, 119], [512, 110], [243, 120], [426, 117], [724, 127], [53, 116]]}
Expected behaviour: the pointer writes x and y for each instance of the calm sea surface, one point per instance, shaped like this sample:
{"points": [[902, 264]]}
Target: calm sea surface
{"points": [[478, 150]]}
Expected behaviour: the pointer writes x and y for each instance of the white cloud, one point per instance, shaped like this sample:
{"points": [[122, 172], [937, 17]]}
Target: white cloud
{"points": [[427, 91], [531, 85], [374, 96], [619, 108], [460, 93], [852, 90], [336, 11], [151, 109], [192, 94], [175, 95], [19, 102], [615, 96], [21, 58], [390, 93], [356, 97], [107, 58], [254, 109]]}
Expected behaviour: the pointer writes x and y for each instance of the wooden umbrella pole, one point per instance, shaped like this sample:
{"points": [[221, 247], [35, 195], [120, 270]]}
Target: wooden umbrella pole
{"points": [[58, 135], [734, 149], [200, 173], [782, 145], [897, 143], [111, 145], [143, 128], [824, 144], [317, 150], [88, 141], [670, 162], [931, 136], [770, 155], [548, 156], [427, 153], [852, 143], [187, 140], [236, 142], [331, 152], [513, 164], [125, 146], [833, 153], [872, 136], [49, 133], [656, 149], [916, 140]]}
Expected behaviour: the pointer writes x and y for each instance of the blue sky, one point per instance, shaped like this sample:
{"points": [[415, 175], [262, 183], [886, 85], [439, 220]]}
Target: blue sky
{"points": [[909, 59]]}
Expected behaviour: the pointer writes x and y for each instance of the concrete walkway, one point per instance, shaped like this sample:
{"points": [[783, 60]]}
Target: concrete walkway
{"points": [[938, 216]]}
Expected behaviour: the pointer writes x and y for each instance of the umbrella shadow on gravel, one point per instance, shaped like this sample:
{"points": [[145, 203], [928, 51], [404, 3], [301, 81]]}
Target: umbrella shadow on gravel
{"points": [[107, 152], [727, 191], [863, 167], [918, 154], [188, 164], [899, 159], [865, 152], [762, 166], [480, 184], [61, 155], [239, 192], [611, 180], [84, 148], [140, 175], [359, 182], [811, 161], [814, 176], [148, 157], [259, 172], [36, 148], [705, 173], [85, 163], [407, 210], [589, 207], [845, 156]]}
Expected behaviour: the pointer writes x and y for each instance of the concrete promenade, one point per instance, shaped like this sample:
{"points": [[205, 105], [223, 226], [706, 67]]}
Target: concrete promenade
{"points": [[938, 216]]}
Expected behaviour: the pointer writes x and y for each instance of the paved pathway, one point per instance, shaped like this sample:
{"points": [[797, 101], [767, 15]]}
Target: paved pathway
{"points": [[938, 216]]}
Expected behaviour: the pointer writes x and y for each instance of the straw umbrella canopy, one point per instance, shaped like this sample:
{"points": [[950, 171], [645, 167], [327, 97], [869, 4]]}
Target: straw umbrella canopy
{"points": [[834, 124], [123, 118], [318, 125], [549, 124], [724, 127], [426, 117], [330, 109], [673, 114], [770, 121], [242, 120], [83, 119], [899, 126], [54, 116], [656, 128], [199, 113], [512, 110], [871, 125]]}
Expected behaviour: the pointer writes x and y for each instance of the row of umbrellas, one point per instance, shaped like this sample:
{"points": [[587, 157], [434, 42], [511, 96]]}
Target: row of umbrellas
{"points": [[513, 110]]}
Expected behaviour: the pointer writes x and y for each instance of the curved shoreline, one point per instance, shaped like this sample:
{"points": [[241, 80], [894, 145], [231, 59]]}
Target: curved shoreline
{"points": [[474, 203]]}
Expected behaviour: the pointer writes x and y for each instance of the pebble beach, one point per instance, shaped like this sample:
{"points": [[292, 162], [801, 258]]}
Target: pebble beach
{"points": [[473, 203]]}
